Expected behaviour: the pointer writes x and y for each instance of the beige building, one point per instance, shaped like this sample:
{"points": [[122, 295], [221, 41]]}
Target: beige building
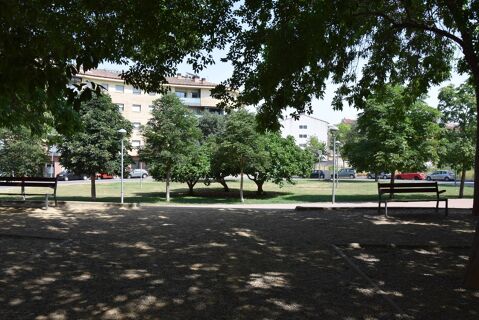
{"points": [[135, 104]]}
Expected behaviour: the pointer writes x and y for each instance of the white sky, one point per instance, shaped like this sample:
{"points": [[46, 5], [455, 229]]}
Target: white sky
{"points": [[321, 108]]}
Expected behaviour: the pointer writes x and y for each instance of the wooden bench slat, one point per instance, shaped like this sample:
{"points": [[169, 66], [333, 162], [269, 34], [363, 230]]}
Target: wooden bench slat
{"points": [[408, 184], [415, 190], [31, 182], [409, 187]]}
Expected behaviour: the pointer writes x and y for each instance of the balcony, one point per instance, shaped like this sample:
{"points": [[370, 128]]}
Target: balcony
{"points": [[191, 101]]}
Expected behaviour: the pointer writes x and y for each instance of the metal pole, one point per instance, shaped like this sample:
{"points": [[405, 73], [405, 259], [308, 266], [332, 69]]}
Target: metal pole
{"points": [[141, 175], [121, 170], [334, 169], [52, 173]]}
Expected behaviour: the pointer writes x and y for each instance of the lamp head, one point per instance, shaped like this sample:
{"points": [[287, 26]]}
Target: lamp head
{"points": [[333, 128], [122, 132]]}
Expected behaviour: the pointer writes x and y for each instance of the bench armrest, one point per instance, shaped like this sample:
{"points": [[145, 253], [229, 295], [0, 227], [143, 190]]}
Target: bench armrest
{"points": [[441, 191]]}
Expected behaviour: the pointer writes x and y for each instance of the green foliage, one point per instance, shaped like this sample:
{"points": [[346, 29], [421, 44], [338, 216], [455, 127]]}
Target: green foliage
{"points": [[458, 107], [96, 146], [316, 148], [44, 44], [21, 153], [288, 51], [212, 124], [171, 137], [277, 160], [393, 134], [195, 165]]}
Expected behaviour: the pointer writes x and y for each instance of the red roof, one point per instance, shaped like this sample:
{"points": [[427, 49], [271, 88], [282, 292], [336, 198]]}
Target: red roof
{"points": [[178, 80], [348, 121]]}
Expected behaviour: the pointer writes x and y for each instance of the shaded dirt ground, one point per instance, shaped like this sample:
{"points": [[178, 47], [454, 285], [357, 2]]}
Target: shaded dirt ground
{"points": [[186, 263]]}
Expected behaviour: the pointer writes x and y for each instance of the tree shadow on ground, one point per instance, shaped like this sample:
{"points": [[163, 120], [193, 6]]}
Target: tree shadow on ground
{"points": [[189, 263]]}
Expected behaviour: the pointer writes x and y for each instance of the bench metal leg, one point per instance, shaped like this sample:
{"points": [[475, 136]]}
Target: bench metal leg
{"points": [[46, 201], [447, 207], [386, 208]]}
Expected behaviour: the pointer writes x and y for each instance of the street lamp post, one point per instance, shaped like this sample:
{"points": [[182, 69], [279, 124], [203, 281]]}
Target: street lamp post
{"points": [[334, 130], [122, 132], [337, 143]]}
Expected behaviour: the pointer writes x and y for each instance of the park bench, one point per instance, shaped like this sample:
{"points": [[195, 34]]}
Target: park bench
{"points": [[390, 189], [31, 182]]}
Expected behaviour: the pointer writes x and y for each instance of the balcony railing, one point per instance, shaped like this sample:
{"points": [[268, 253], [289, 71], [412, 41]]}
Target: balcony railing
{"points": [[191, 101]]}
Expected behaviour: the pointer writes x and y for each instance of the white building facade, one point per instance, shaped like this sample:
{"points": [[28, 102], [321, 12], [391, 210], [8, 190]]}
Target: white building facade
{"points": [[304, 128]]}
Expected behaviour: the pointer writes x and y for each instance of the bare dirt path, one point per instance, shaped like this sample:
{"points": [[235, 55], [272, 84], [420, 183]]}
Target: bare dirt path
{"points": [[90, 262]]}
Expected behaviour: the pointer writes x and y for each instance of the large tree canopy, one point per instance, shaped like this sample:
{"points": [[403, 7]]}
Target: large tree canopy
{"points": [[392, 134], [96, 146], [458, 108], [43, 44], [287, 51]]}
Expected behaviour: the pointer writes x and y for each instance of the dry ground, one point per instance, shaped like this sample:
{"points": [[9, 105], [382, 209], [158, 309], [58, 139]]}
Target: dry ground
{"points": [[83, 262]]}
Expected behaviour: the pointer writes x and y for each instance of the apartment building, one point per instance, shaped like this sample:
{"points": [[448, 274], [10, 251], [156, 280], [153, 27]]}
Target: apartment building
{"points": [[135, 104], [304, 128]]}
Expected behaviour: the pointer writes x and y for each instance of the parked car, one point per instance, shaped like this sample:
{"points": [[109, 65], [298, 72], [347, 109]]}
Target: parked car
{"points": [[69, 175], [346, 173], [137, 173], [317, 174], [445, 175], [381, 175], [104, 176], [410, 176]]}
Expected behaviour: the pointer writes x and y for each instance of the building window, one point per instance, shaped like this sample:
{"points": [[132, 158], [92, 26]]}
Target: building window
{"points": [[152, 93], [180, 94], [105, 86], [151, 107], [121, 107], [303, 135], [136, 125], [302, 145], [303, 126], [119, 88], [195, 94], [136, 91], [135, 143], [136, 108]]}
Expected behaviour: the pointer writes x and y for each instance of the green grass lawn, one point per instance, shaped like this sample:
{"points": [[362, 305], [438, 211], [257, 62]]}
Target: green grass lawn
{"points": [[306, 190]]}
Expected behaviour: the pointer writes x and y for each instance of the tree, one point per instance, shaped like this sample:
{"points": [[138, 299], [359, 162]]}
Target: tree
{"points": [[194, 166], [150, 37], [211, 124], [287, 51], [96, 146], [459, 110], [239, 142], [278, 159], [170, 136], [316, 148], [21, 152], [394, 134]]}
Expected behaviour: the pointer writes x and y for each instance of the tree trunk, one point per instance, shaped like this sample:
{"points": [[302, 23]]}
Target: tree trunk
{"points": [[259, 184], [376, 177], [223, 183], [471, 279], [168, 175], [241, 186], [393, 173], [191, 185], [93, 186], [463, 179]]}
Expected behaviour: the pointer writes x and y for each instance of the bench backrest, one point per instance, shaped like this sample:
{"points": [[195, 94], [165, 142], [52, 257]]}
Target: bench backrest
{"points": [[408, 187], [29, 182]]}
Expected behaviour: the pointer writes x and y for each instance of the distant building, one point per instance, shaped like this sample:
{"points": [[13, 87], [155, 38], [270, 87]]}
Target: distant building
{"points": [[304, 128], [135, 104]]}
